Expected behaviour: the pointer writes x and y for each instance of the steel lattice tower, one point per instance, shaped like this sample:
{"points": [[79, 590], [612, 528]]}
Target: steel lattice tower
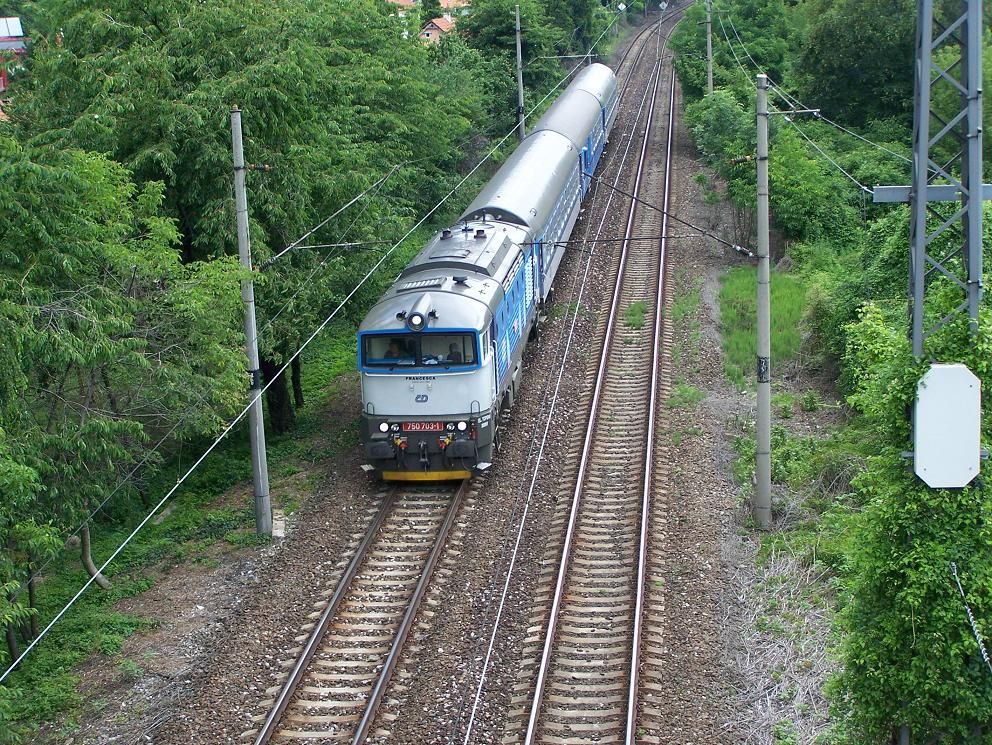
{"points": [[957, 179]]}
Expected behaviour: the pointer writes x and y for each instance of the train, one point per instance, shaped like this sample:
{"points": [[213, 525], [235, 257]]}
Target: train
{"points": [[440, 354]]}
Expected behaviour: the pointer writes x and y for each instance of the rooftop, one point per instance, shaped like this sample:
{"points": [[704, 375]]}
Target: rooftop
{"points": [[10, 28], [444, 25]]}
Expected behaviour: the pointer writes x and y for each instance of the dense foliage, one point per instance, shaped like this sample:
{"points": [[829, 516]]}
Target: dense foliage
{"points": [[331, 102], [909, 654], [120, 311], [108, 338]]}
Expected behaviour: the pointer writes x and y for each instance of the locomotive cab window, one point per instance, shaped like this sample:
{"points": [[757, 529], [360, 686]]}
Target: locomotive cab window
{"points": [[450, 350], [415, 350], [389, 349]]}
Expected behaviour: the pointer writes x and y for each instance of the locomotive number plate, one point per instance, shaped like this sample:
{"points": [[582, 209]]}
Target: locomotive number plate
{"points": [[423, 426]]}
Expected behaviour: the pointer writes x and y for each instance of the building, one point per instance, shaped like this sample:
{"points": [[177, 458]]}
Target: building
{"points": [[12, 42], [434, 29]]}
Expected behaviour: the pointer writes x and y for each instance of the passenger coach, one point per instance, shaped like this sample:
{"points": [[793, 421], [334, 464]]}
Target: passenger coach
{"points": [[440, 354]]}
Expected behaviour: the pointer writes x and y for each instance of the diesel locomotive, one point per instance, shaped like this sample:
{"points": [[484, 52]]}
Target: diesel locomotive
{"points": [[440, 354]]}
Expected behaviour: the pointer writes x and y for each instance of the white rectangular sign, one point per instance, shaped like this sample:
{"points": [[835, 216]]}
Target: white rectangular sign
{"points": [[947, 428]]}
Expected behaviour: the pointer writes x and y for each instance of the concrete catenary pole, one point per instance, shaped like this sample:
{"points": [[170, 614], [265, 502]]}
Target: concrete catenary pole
{"points": [[709, 46], [520, 83], [256, 425], [763, 465]]}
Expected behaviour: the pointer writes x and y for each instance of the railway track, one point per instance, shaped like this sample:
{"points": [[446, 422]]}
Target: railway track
{"points": [[343, 669], [582, 681], [340, 675], [634, 70]]}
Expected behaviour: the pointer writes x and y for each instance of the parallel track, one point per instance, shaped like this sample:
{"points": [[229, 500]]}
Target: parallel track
{"points": [[585, 683], [341, 673], [343, 669]]}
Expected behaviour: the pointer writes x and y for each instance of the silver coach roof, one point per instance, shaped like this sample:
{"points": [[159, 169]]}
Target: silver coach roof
{"points": [[597, 79], [524, 189], [575, 117]]}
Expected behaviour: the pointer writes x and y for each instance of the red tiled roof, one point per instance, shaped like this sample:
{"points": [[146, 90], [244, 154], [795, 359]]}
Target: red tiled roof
{"points": [[441, 24], [452, 4]]}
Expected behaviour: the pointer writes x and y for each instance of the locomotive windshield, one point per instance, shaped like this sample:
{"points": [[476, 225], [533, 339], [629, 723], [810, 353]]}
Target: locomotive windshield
{"points": [[418, 350]]}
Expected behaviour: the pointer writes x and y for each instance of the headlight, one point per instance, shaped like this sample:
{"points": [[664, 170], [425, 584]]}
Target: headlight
{"points": [[383, 426], [462, 426], [395, 427], [416, 321]]}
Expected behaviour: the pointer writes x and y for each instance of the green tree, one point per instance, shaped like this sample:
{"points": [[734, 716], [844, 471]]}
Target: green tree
{"points": [[333, 98], [857, 64], [758, 28], [491, 29], [721, 128], [475, 85], [689, 44], [110, 335], [576, 19], [429, 9], [808, 197]]}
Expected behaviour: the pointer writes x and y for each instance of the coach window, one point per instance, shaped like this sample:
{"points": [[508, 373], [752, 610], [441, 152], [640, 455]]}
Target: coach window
{"points": [[449, 350]]}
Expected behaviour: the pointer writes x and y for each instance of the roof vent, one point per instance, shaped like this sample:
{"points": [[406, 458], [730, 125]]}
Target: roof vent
{"points": [[480, 234], [445, 234]]}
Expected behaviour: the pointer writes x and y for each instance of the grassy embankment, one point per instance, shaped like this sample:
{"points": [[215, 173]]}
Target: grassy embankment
{"points": [[802, 561]]}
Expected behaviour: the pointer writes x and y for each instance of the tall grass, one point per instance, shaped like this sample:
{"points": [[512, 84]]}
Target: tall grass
{"points": [[738, 309]]}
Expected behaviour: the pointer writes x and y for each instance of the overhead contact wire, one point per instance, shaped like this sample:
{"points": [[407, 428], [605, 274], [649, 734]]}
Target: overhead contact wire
{"points": [[523, 521], [244, 412]]}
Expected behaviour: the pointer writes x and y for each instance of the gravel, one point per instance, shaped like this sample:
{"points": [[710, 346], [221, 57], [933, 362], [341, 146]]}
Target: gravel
{"points": [[259, 604]]}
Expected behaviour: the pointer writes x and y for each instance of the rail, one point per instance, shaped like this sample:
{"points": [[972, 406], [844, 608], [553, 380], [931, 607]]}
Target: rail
{"points": [[544, 666], [314, 643]]}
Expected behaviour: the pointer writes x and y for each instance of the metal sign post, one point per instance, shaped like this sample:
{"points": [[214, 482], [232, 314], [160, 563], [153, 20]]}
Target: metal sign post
{"points": [[961, 186]]}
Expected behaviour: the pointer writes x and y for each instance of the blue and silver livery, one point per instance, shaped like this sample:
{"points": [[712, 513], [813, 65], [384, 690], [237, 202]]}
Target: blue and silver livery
{"points": [[440, 354]]}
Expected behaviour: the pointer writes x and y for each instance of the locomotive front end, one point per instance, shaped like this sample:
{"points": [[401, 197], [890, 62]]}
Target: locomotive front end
{"points": [[427, 379]]}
